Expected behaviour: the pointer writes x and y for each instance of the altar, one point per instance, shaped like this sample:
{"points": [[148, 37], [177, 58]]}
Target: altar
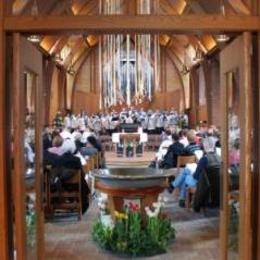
{"points": [[125, 141]]}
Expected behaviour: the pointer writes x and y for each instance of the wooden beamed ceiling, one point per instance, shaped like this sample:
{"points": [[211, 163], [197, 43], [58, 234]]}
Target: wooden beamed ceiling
{"points": [[57, 45]]}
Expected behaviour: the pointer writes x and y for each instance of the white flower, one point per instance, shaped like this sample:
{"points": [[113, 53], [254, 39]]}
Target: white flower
{"points": [[152, 214], [107, 221], [158, 204]]}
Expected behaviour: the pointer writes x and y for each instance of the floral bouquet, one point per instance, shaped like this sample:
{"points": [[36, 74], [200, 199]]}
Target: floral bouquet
{"points": [[129, 234]]}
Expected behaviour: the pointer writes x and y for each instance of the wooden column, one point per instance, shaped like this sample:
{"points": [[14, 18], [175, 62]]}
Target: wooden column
{"points": [[245, 228], [255, 148], [19, 167], [4, 236], [258, 158], [224, 207]]}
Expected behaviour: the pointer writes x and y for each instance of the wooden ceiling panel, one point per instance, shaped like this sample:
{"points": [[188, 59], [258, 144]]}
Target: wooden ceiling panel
{"points": [[239, 7], [20, 5], [48, 42], [208, 41]]}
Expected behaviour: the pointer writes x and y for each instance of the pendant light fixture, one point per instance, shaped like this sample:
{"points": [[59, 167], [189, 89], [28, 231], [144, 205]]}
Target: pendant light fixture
{"points": [[221, 38], [34, 38]]}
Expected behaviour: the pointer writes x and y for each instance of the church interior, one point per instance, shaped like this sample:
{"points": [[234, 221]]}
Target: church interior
{"points": [[129, 129]]}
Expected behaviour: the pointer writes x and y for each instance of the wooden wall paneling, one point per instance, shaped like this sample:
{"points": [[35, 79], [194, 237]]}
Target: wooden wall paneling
{"points": [[62, 88], [91, 68], [193, 110], [179, 76], [73, 98], [207, 72], [19, 166], [48, 67], [245, 228], [164, 71], [4, 234]]}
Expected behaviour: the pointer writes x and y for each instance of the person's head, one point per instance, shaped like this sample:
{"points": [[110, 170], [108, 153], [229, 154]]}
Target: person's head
{"points": [[92, 141], [175, 137], [168, 132], [191, 135], [57, 141]]}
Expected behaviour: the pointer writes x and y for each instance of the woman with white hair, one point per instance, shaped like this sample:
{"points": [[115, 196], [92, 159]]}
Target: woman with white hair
{"points": [[191, 174]]}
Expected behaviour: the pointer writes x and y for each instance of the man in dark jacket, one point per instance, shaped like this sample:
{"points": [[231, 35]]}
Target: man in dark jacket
{"points": [[174, 150]]}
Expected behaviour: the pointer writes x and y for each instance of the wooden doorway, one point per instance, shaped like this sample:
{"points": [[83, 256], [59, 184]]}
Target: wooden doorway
{"points": [[236, 88]]}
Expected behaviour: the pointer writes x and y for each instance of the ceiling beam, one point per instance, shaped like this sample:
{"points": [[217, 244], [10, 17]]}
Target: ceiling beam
{"points": [[135, 23]]}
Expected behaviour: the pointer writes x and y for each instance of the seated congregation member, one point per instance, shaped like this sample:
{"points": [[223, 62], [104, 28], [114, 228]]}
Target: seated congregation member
{"points": [[63, 163], [165, 144], [176, 149], [192, 173], [183, 137], [193, 146], [88, 149], [94, 143], [57, 145]]}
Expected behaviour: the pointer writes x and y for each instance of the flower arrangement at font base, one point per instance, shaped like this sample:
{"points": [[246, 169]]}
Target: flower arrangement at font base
{"points": [[130, 235]]}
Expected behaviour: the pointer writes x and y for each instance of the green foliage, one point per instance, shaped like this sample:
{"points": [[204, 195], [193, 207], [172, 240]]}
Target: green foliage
{"points": [[31, 228], [233, 228], [131, 237]]}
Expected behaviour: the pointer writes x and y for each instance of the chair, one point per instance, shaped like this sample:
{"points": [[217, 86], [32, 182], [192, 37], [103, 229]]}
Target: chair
{"points": [[67, 198], [106, 142], [207, 192], [154, 142], [182, 160]]}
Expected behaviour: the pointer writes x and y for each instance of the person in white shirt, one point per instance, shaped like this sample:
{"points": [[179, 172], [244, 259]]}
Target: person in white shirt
{"points": [[129, 120], [74, 122], [67, 122], [151, 123], [164, 146], [80, 121], [159, 123], [66, 134]]}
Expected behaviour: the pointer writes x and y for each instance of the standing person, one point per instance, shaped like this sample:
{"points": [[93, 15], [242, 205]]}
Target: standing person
{"points": [[74, 122], [151, 123], [81, 121], [159, 122], [67, 120], [58, 120]]}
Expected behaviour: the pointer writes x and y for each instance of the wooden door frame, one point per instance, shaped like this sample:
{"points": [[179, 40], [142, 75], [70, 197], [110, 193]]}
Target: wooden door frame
{"points": [[104, 24]]}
